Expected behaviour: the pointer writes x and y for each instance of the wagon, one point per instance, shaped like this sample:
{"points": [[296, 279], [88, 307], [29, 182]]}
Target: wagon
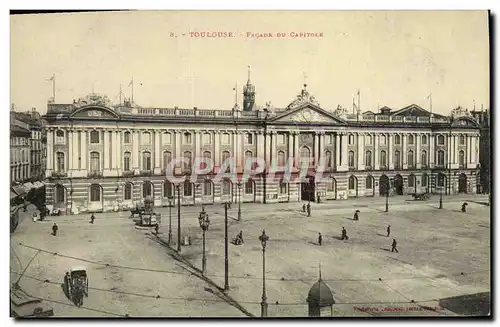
{"points": [[78, 284], [421, 196]]}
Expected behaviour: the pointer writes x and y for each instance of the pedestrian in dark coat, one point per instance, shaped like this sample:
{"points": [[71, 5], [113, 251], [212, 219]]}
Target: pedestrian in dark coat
{"points": [[320, 239], [66, 280], [319, 199], [240, 236], [157, 227], [388, 230], [394, 244], [54, 229], [344, 234], [309, 209], [92, 218], [356, 215], [304, 207], [25, 206], [464, 207]]}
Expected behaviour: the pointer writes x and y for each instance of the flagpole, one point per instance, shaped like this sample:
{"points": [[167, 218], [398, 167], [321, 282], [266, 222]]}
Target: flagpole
{"points": [[359, 100], [54, 87], [120, 94], [132, 91]]}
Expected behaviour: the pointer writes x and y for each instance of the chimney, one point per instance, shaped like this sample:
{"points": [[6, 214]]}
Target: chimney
{"points": [[12, 106], [195, 108]]}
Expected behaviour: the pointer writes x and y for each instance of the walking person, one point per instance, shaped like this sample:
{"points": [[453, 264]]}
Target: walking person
{"points": [[388, 230], [356, 215], [92, 218], [54, 229], [344, 234], [240, 236], [320, 239], [304, 207], [464, 207], [394, 244], [309, 209], [157, 228]]}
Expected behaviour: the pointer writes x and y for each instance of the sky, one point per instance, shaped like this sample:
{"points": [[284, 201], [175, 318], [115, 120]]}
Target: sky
{"points": [[395, 58]]}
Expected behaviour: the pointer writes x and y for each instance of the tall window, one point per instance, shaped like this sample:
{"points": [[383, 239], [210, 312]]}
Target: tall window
{"points": [[368, 139], [411, 180], [369, 182], [424, 139], [94, 137], [351, 159], [187, 160], [383, 140], [146, 138], [226, 187], [330, 185], [147, 189], [127, 192], [425, 178], [461, 140], [207, 138], [424, 159], [188, 188], [352, 182], [126, 161], [351, 139], [329, 158], [440, 180], [225, 156], [383, 158], [282, 186], [146, 160], [368, 159], [397, 160], [281, 139], [304, 152], [248, 138], [225, 138], [95, 193], [329, 138], [440, 139], [410, 139], [249, 187], [126, 138], [281, 158], [167, 158], [187, 138], [167, 138], [207, 188], [60, 137], [168, 189], [410, 158], [95, 164], [397, 139], [461, 159], [60, 161], [440, 158]]}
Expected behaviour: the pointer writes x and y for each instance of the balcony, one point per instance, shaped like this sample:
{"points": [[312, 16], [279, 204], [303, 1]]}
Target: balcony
{"points": [[128, 173], [59, 174], [368, 167], [146, 173], [94, 174]]}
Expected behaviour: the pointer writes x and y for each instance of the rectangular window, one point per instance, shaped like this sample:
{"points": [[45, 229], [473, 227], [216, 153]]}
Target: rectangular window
{"points": [[225, 138], [249, 138], [187, 138]]}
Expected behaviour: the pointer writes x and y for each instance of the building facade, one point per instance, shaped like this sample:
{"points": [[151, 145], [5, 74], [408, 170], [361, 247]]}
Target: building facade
{"points": [[20, 170], [103, 157], [483, 118]]}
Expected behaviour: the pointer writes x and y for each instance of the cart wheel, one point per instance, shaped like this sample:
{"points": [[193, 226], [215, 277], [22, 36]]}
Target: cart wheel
{"points": [[87, 292]]}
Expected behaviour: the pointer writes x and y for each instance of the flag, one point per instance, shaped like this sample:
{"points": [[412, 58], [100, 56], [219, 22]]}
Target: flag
{"points": [[358, 93], [131, 83], [354, 106], [52, 78], [429, 96]]}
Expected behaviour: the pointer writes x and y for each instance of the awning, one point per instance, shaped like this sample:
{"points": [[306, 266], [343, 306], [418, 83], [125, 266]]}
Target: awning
{"points": [[12, 195], [29, 185], [38, 184], [20, 190]]}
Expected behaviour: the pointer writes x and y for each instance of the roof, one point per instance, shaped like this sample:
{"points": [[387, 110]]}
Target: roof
{"points": [[320, 295], [78, 268], [19, 130]]}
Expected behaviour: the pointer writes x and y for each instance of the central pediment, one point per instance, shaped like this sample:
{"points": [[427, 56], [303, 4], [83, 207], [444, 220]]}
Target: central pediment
{"points": [[308, 114]]}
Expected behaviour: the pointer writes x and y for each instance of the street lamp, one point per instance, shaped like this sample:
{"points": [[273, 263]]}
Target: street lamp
{"points": [[226, 250], [387, 200], [441, 199], [239, 200], [204, 223], [178, 187], [170, 198], [263, 305]]}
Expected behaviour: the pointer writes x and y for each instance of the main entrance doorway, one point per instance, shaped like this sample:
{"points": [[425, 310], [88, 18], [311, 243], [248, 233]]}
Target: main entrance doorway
{"points": [[462, 183], [307, 190]]}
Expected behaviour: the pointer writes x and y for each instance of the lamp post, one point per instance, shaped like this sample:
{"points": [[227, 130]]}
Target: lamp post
{"points": [[170, 198], [204, 223], [178, 187], [226, 250], [263, 305], [441, 199], [239, 200], [387, 200]]}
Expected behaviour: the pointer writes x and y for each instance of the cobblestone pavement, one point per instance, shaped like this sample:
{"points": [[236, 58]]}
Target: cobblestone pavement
{"points": [[435, 246]]}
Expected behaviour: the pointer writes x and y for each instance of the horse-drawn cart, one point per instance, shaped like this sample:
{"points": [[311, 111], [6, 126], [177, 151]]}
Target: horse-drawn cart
{"points": [[421, 196], [78, 285]]}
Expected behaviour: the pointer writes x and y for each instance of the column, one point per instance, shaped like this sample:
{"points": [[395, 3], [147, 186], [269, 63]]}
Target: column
{"points": [[455, 150], [260, 145], [290, 146], [83, 151], [418, 140], [197, 144], [241, 147], [70, 151], [274, 138], [404, 152], [235, 147], [177, 144], [117, 164], [477, 148], [376, 157], [361, 150], [296, 151], [268, 148], [76, 150], [432, 150], [344, 151], [157, 154], [217, 152], [473, 150], [337, 150], [106, 145], [50, 150], [135, 150]]}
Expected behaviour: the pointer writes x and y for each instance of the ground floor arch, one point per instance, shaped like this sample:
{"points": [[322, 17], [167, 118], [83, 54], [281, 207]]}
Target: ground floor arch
{"points": [[148, 190], [398, 184], [383, 185], [60, 196], [462, 183], [308, 189], [352, 186]]}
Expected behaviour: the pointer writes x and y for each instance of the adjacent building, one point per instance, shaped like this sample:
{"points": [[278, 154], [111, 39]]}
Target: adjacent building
{"points": [[104, 157], [483, 118]]}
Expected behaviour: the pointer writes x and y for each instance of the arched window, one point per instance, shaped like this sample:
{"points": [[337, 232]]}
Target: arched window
{"points": [[167, 138], [441, 179], [226, 187], [60, 161], [462, 140], [351, 139], [187, 160], [146, 138], [329, 159], [95, 193], [225, 157], [440, 139], [248, 138], [424, 139], [352, 182], [410, 139], [146, 160], [351, 159], [188, 188], [283, 186], [207, 138], [147, 189], [225, 138], [168, 189], [207, 188], [95, 162], [94, 137], [187, 138], [369, 182], [461, 159], [383, 158], [249, 187], [126, 138], [410, 158], [60, 194], [305, 152], [383, 140], [330, 185], [368, 139], [126, 161], [423, 158], [167, 158], [397, 159], [397, 139], [425, 178], [127, 191], [411, 180], [440, 158], [368, 159], [60, 137], [207, 155], [281, 158]]}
